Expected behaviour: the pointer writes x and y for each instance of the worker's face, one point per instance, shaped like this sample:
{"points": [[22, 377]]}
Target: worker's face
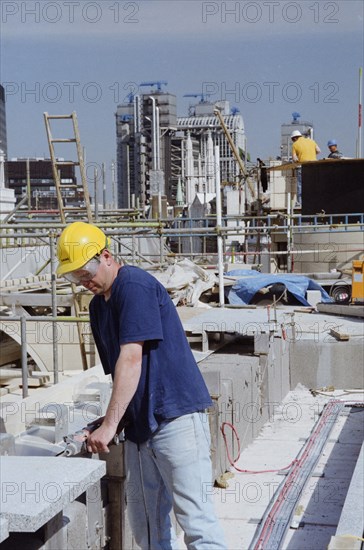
{"points": [[102, 280], [333, 148], [94, 275]]}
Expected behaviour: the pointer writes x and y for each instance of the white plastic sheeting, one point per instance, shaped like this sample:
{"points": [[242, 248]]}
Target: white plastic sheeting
{"points": [[186, 281]]}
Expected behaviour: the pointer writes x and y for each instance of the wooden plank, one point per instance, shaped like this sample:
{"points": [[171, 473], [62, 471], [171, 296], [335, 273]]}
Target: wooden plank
{"points": [[33, 299], [341, 336], [9, 373], [10, 352]]}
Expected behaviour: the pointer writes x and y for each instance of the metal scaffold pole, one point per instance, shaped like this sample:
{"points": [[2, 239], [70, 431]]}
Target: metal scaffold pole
{"points": [[218, 228], [360, 113], [54, 307]]}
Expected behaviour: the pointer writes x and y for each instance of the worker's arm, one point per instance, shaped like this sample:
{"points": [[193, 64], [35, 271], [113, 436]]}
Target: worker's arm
{"points": [[294, 154], [126, 380], [318, 150]]}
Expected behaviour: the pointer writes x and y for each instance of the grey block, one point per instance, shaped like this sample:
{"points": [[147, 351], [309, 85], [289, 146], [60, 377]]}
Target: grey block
{"points": [[7, 444], [352, 517], [35, 489], [4, 529], [76, 523]]}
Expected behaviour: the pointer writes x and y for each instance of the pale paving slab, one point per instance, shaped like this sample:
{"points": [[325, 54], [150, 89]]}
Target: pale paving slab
{"points": [[34, 489], [4, 529]]}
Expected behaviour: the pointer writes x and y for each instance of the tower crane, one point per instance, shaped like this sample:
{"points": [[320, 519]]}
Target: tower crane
{"points": [[158, 83], [202, 96]]}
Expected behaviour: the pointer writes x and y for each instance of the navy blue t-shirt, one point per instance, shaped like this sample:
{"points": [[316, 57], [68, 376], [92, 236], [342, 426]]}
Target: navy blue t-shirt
{"points": [[140, 310]]}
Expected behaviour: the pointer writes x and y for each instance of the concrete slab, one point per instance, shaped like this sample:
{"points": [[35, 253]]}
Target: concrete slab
{"points": [[310, 537], [241, 321], [4, 529], [35, 489], [352, 516]]}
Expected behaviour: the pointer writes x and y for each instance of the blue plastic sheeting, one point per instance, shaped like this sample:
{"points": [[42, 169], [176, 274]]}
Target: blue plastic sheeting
{"points": [[251, 281]]}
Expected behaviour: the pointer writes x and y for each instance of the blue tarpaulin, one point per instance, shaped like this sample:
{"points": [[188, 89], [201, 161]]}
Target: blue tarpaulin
{"points": [[251, 281]]}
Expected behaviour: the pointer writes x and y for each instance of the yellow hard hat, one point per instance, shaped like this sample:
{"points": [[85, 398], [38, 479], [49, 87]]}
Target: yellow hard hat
{"points": [[78, 243]]}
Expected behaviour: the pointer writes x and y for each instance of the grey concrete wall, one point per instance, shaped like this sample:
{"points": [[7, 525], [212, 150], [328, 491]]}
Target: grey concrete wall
{"points": [[326, 363]]}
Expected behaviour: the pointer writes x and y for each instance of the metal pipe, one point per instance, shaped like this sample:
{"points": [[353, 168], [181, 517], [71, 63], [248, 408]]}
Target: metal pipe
{"points": [[360, 113], [54, 307], [289, 255], [20, 203], [161, 246], [145, 223], [158, 160], [7, 275], [154, 134], [96, 198], [103, 187], [28, 185], [46, 318], [218, 226], [136, 108], [128, 174], [113, 181], [24, 356]]}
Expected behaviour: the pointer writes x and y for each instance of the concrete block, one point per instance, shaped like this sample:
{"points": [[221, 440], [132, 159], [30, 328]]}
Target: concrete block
{"points": [[319, 364], [35, 489], [4, 529], [55, 533], [343, 542], [7, 444], [261, 343], [57, 415], [114, 461], [351, 519], [75, 520], [95, 520], [313, 297]]}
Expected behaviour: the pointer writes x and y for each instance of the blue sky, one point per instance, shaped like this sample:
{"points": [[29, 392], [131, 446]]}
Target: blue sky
{"points": [[268, 58]]}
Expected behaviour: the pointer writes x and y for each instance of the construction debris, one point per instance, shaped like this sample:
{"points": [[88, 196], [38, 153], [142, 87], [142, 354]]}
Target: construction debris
{"points": [[342, 337]]}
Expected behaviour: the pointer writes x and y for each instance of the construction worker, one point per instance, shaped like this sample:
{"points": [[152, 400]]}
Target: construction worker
{"points": [[334, 152], [303, 148], [157, 388]]}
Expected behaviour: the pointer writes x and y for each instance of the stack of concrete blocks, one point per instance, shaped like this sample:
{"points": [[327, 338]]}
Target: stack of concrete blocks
{"points": [[281, 183], [235, 206], [247, 379], [323, 251]]}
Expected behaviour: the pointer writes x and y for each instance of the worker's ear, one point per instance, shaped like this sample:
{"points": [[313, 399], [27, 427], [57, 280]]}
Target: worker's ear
{"points": [[107, 255]]}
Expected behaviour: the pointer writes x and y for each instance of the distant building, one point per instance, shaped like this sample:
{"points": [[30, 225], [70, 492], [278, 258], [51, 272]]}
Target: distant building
{"points": [[7, 197], [42, 187], [160, 153], [204, 131], [3, 136], [144, 127]]}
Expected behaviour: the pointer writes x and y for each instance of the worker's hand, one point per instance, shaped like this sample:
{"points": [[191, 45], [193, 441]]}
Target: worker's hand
{"points": [[92, 426], [97, 441]]}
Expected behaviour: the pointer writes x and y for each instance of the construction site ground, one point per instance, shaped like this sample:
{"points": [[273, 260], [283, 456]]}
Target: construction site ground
{"points": [[326, 363], [241, 506]]}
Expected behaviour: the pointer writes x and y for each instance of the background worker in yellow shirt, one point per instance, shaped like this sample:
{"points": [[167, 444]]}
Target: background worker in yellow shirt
{"points": [[303, 149]]}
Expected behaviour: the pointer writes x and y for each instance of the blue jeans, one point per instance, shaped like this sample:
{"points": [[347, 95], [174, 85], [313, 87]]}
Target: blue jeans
{"points": [[299, 185], [173, 469]]}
